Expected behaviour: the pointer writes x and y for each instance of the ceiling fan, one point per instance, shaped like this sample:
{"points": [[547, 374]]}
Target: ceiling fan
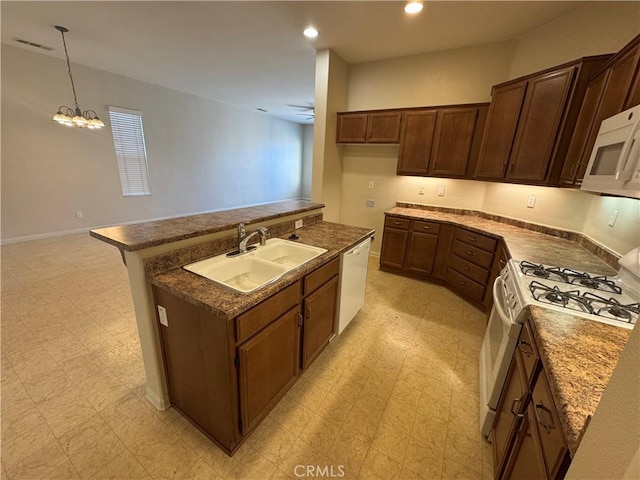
{"points": [[310, 110]]}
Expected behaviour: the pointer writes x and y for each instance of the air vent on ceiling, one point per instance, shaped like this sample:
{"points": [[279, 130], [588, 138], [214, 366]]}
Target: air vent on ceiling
{"points": [[32, 44]]}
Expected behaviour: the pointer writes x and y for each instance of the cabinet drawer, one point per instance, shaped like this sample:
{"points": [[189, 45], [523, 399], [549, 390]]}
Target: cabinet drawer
{"points": [[554, 449], [469, 269], [476, 239], [464, 285], [264, 313], [395, 222], [473, 254], [425, 227], [321, 275], [528, 353]]}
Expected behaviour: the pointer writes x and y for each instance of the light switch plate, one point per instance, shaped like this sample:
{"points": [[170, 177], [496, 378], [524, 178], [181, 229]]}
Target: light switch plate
{"points": [[371, 184], [370, 203], [162, 313], [421, 190], [531, 201], [440, 191], [613, 218], [298, 224]]}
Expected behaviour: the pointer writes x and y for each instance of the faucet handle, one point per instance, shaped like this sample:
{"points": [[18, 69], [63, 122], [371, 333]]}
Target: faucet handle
{"points": [[241, 231]]}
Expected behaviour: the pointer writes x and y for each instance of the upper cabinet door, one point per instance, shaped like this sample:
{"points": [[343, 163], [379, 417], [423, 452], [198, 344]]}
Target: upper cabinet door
{"points": [[415, 142], [384, 127], [542, 112], [352, 128], [452, 141], [502, 121], [621, 77]]}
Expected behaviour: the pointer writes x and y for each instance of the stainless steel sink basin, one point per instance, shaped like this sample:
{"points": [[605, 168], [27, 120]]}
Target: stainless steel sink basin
{"points": [[256, 268]]}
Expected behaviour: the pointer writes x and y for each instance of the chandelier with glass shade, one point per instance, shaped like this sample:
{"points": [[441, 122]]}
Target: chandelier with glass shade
{"points": [[75, 117]]}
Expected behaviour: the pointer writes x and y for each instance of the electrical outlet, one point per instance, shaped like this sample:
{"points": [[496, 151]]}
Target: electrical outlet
{"points": [[297, 224], [162, 313], [370, 203], [531, 201], [440, 191], [371, 184], [613, 217], [78, 213], [421, 190]]}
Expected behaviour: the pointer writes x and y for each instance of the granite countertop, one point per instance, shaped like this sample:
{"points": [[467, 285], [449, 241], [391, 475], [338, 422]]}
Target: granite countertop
{"points": [[578, 355], [149, 234], [227, 303]]}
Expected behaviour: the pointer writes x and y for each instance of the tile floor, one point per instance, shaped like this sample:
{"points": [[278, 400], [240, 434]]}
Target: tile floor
{"points": [[396, 396]]}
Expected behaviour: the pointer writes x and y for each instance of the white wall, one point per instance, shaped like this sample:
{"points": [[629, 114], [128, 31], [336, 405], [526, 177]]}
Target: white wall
{"points": [[307, 161], [203, 155]]}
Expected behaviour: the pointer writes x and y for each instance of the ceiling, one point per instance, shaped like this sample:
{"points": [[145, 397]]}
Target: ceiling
{"points": [[252, 54]]}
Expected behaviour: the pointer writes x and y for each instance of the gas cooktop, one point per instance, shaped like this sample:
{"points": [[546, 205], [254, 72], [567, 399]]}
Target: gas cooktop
{"points": [[596, 297]]}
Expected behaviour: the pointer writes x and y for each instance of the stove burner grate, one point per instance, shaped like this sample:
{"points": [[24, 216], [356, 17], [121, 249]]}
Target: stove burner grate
{"points": [[571, 300], [611, 308], [534, 270]]}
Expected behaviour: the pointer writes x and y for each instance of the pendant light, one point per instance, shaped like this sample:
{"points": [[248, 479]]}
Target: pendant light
{"points": [[74, 117]]}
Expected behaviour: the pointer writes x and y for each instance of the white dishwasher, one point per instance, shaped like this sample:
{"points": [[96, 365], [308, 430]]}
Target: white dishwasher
{"points": [[353, 279]]}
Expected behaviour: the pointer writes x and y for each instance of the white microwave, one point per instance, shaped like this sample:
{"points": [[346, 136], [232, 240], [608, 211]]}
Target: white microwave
{"points": [[614, 165]]}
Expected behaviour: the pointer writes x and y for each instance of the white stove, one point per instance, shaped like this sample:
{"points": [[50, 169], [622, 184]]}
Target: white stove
{"points": [[611, 300]]}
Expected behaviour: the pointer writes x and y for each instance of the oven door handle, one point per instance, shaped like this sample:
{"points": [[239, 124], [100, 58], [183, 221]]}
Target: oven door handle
{"points": [[498, 286]]}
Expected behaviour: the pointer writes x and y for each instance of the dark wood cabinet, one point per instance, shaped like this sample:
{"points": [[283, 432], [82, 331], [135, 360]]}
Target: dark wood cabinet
{"points": [[540, 117], [511, 408], [416, 142], [423, 243], [384, 127], [415, 248], [269, 364], [441, 141], [352, 128], [470, 260], [369, 127], [526, 462], [319, 317], [226, 375], [614, 88], [500, 259], [528, 440], [531, 122], [506, 101]]}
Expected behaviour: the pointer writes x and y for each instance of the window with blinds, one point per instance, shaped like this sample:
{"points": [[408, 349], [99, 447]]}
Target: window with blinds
{"points": [[128, 138]]}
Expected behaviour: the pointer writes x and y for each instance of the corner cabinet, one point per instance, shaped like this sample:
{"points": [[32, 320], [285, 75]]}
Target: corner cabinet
{"points": [[441, 141], [613, 89], [226, 375], [527, 436], [530, 124]]}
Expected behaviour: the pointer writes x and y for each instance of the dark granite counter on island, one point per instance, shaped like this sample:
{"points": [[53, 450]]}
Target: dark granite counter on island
{"points": [[578, 355], [227, 303]]}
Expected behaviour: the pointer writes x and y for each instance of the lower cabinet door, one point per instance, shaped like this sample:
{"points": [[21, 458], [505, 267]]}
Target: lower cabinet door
{"points": [[526, 460], [421, 253], [319, 317], [269, 364], [394, 247]]}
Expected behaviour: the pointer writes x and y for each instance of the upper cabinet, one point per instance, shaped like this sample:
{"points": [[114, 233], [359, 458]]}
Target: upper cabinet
{"points": [[369, 127], [611, 90], [530, 123], [441, 141]]}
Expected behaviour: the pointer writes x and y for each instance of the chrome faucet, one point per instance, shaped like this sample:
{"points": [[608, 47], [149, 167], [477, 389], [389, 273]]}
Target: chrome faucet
{"points": [[262, 231], [241, 233]]}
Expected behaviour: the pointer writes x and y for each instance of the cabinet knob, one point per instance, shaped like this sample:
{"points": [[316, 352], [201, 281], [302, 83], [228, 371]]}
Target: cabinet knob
{"points": [[473, 239], [469, 252]]}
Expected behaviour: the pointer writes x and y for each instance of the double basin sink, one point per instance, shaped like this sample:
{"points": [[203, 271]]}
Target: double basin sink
{"points": [[257, 268]]}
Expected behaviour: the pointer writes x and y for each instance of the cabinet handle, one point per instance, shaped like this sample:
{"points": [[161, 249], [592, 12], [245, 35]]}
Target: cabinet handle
{"points": [[308, 312], [465, 268], [546, 426], [516, 401], [427, 228], [525, 348], [469, 252], [473, 239], [464, 284], [502, 263], [512, 167], [397, 223]]}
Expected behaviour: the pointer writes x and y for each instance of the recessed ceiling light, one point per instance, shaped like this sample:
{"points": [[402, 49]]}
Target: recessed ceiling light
{"points": [[413, 7], [310, 32]]}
